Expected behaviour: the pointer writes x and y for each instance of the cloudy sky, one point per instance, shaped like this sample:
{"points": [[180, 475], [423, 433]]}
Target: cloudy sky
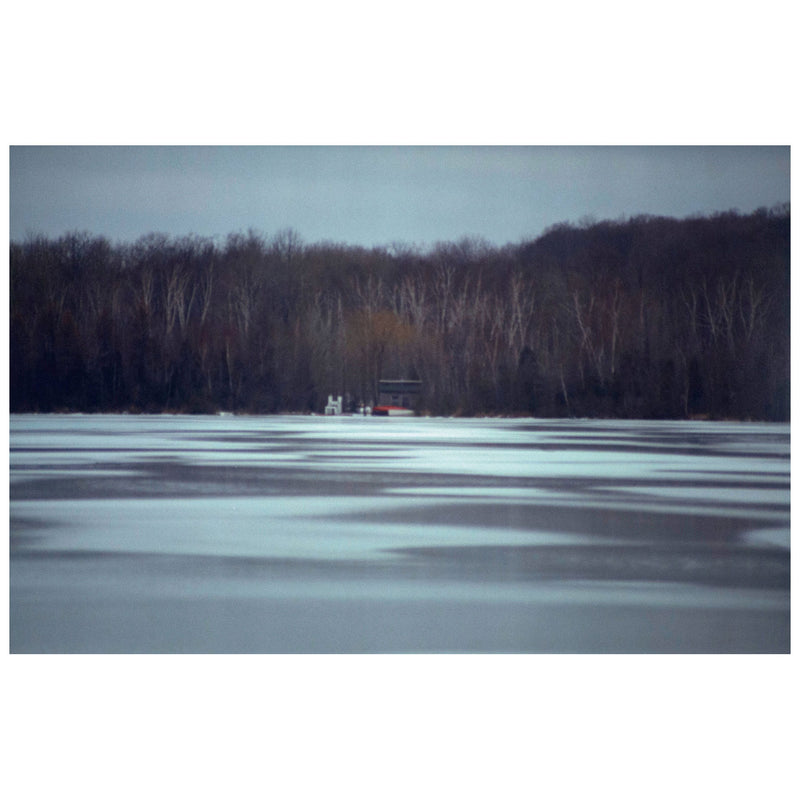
{"points": [[377, 195]]}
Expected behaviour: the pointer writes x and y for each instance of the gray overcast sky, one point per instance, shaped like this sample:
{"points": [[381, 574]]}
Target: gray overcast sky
{"points": [[377, 195]]}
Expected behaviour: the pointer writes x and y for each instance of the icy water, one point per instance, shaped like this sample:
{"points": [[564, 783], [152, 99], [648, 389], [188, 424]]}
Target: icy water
{"points": [[292, 534]]}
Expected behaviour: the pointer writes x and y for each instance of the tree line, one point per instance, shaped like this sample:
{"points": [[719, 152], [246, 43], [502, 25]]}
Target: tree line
{"points": [[646, 317]]}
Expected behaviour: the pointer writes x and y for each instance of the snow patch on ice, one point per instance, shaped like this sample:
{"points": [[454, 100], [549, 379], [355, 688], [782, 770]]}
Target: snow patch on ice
{"points": [[771, 537]]}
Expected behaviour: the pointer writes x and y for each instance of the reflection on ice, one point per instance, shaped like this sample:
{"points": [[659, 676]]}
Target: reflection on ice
{"points": [[249, 527], [768, 537]]}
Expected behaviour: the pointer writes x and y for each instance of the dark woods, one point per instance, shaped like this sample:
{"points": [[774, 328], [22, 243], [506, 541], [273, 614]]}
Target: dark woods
{"points": [[645, 318]]}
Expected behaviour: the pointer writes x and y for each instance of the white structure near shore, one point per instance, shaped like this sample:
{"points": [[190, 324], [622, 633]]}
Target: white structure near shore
{"points": [[334, 407]]}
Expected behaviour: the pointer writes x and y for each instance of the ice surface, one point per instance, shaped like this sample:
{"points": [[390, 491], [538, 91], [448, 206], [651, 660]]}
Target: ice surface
{"points": [[350, 534]]}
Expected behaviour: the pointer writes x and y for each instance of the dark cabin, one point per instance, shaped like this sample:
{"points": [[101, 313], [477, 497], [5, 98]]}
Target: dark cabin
{"points": [[400, 393]]}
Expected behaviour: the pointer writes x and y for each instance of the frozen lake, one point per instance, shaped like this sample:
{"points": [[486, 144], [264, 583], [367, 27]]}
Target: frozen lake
{"points": [[297, 534]]}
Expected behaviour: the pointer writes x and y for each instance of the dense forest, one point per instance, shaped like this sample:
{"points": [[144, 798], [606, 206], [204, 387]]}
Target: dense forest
{"points": [[647, 317]]}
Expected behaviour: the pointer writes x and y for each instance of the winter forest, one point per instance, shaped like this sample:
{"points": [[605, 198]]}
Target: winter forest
{"points": [[647, 317]]}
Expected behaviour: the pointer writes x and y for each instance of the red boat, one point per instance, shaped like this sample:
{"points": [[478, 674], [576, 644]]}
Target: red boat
{"points": [[392, 411]]}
